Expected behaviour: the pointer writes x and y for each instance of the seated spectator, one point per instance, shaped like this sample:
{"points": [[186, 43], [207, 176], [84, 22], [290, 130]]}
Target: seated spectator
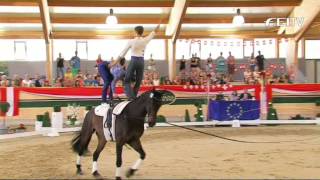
{"points": [[234, 96], [245, 95], [96, 81], [88, 81], [4, 82], [16, 81], [46, 83], [167, 81], [26, 82], [219, 97], [59, 82], [68, 74], [247, 74], [156, 79], [79, 81], [37, 81]]}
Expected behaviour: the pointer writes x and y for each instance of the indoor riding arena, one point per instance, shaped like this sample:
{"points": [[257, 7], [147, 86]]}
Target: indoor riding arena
{"points": [[159, 89]]}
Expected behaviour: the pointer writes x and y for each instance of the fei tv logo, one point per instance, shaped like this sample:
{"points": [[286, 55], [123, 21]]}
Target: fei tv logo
{"points": [[285, 22]]}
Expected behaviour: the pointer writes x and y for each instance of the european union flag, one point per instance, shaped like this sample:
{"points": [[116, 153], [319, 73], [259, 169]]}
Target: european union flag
{"points": [[230, 110]]}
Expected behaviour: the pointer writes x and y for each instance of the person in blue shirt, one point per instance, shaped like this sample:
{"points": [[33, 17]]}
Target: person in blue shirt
{"points": [[105, 73], [118, 72], [75, 64]]}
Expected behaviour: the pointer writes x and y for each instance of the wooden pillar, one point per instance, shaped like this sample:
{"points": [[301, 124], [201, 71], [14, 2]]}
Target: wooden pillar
{"points": [[49, 52], [172, 65], [292, 57], [277, 49], [166, 50], [303, 48]]}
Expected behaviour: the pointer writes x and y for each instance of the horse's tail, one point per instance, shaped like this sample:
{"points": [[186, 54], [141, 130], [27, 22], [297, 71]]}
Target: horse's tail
{"points": [[81, 141]]}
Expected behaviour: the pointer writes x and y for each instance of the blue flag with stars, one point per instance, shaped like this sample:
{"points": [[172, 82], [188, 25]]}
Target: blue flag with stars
{"points": [[231, 110]]}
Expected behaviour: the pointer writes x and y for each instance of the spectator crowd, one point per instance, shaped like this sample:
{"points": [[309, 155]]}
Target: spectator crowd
{"points": [[219, 71]]}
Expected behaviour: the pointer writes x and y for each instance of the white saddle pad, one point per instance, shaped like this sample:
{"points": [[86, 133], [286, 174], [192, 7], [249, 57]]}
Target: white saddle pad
{"points": [[103, 111]]}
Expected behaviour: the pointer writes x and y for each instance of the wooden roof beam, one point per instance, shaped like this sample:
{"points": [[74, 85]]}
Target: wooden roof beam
{"points": [[45, 19], [176, 17], [243, 3], [112, 3], [19, 3]]}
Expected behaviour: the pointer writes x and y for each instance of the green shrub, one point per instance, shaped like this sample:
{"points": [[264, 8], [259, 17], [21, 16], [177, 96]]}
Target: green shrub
{"points": [[4, 107], [161, 118], [56, 108], [88, 108]]}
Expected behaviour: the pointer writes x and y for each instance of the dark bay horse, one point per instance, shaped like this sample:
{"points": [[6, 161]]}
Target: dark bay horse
{"points": [[129, 127]]}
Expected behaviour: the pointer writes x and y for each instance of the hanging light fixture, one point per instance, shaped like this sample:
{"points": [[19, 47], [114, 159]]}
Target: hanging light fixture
{"points": [[111, 19], [238, 19]]}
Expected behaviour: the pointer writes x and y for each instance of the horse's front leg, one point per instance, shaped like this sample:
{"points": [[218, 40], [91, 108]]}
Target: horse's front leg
{"points": [[119, 148], [136, 145]]}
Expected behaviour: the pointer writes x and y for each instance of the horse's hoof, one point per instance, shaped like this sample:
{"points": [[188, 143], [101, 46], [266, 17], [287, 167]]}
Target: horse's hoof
{"points": [[118, 178], [79, 172], [130, 172], [96, 174]]}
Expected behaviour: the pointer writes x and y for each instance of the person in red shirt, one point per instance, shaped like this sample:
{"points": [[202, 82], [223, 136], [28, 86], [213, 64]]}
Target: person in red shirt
{"points": [[231, 66], [99, 60]]}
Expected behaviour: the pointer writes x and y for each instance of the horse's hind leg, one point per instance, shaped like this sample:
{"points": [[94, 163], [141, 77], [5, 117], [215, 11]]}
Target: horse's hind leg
{"points": [[102, 142], [136, 145]]}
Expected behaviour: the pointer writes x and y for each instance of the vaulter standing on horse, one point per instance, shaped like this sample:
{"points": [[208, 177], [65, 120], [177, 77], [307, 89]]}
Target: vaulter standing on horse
{"points": [[105, 73], [136, 65]]}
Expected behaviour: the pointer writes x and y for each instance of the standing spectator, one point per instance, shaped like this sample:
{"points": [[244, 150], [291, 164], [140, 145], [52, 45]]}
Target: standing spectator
{"points": [[260, 61], [198, 60], [151, 64], [182, 64], [231, 66], [99, 60], [60, 66], [221, 64], [194, 66], [252, 62], [209, 66], [75, 64]]}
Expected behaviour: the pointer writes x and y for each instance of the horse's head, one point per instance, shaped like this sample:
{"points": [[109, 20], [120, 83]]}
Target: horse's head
{"points": [[157, 98], [153, 106]]}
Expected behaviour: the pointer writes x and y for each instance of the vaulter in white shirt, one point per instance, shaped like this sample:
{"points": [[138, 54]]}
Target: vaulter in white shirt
{"points": [[136, 65]]}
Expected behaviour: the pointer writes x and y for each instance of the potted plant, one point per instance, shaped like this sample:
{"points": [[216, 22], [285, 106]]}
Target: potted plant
{"points": [[39, 122], [57, 118], [73, 114], [4, 107], [161, 119]]}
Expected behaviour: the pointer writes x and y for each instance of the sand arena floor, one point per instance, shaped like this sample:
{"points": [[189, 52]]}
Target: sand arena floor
{"points": [[176, 153]]}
